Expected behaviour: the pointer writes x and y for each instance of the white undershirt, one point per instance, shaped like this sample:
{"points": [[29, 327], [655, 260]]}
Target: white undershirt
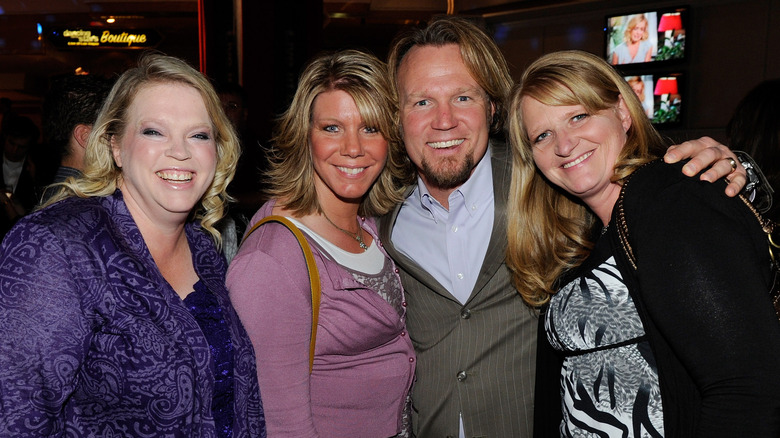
{"points": [[12, 170], [371, 262]]}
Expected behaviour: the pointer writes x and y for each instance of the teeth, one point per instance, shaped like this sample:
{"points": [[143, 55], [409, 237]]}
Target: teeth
{"points": [[445, 144], [351, 170], [578, 160], [175, 176]]}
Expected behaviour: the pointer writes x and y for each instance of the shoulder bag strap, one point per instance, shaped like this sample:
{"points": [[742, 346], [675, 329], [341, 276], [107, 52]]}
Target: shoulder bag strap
{"points": [[314, 276], [770, 228]]}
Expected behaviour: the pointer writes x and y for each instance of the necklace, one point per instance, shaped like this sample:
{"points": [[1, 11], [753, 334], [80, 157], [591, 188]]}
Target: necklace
{"points": [[357, 236]]}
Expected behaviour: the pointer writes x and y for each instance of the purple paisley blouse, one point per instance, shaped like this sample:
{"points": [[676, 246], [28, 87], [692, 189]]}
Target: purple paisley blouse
{"points": [[93, 340]]}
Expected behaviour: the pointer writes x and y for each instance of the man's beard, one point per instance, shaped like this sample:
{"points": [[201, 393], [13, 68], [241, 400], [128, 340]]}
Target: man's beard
{"points": [[449, 173]]}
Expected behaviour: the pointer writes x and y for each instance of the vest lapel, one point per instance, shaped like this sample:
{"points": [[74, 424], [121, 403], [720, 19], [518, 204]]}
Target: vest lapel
{"points": [[501, 166]]}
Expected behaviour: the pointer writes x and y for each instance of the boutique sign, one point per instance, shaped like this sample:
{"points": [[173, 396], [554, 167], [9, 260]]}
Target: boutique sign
{"points": [[94, 38]]}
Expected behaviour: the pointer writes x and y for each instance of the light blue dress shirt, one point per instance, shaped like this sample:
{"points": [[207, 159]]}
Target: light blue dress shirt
{"points": [[450, 245]]}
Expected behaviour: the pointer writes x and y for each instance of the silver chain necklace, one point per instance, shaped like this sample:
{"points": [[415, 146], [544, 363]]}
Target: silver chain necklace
{"points": [[357, 236]]}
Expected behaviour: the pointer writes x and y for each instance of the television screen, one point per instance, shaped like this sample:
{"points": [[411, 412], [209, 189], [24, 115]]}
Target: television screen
{"points": [[668, 98], [660, 95], [646, 37]]}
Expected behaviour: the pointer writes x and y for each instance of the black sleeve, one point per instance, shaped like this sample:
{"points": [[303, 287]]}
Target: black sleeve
{"points": [[704, 278], [547, 392]]}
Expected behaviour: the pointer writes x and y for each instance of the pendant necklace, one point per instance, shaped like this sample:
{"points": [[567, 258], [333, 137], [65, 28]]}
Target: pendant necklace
{"points": [[357, 236]]}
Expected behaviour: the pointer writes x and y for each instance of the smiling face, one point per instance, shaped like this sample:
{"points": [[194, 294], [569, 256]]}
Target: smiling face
{"points": [[445, 116], [348, 156], [167, 152], [577, 151], [638, 32]]}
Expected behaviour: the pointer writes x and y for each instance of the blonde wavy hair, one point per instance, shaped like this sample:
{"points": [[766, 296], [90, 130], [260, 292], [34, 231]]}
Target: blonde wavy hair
{"points": [[548, 230], [364, 77], [102, 176], [634, 22]]}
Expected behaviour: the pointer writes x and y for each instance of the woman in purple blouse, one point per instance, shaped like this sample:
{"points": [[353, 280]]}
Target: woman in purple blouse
{"points": [[115, 318], [337, 155]]}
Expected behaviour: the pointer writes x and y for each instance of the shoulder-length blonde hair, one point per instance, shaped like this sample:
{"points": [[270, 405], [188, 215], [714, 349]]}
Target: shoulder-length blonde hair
{"points": [[634, 22], [103, 177], [364, 77], [548, 230]]}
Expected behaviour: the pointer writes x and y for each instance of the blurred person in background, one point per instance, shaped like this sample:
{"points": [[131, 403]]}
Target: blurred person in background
{"points": [[19, 171], [70, 108]]}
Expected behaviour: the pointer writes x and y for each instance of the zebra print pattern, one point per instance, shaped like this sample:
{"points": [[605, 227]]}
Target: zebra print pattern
{"points": [[609, 381]]}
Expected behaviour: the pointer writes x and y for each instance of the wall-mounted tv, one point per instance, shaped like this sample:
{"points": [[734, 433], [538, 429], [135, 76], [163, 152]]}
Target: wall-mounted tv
{"points": [[644, 37], [661, 96]]}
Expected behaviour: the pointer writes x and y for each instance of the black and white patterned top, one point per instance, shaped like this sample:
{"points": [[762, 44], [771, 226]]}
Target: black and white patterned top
{"points": [[609, 381]]}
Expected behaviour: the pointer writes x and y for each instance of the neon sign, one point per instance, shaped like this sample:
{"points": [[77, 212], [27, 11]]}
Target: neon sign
{"points": [[78, 38]]}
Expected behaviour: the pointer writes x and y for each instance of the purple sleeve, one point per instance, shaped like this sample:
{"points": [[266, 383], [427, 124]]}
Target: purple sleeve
{"points": [[45, 332], [269, 288]]}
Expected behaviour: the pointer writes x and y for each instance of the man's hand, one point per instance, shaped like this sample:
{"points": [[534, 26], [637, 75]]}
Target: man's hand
{"points": [[706, 152]]}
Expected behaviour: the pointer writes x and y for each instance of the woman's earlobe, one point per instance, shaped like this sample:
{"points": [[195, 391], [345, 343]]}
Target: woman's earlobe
{"points": [[624, 114], [115, 151]]}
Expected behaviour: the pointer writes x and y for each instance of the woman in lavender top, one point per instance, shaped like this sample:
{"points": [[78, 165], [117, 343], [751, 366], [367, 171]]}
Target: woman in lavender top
{"points": [[115, 318], [336, 164]]}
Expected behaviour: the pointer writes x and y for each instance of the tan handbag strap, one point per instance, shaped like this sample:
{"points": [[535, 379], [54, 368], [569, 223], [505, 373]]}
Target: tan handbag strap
{"points": [[311, 266]]}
